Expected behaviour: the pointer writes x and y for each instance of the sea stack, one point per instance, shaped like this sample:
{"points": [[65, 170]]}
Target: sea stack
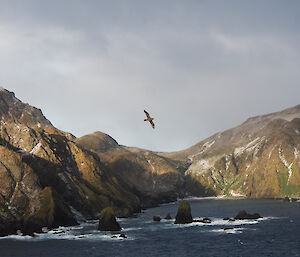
{"points": [[107, 220], [184, 215]]}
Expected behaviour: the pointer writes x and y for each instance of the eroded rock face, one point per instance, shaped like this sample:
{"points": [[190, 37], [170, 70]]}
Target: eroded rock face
{"points": [[24, 204], [44, 174], [184, 215], [12, 109], [107, 220]]}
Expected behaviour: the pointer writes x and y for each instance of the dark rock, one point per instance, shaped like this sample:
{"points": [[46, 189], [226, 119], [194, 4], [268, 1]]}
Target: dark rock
{"points": [[229, 219], [228, 229], [123, 236], [7, 227], [206, 220], [184, 215], [168, 217], [58, 232], [242, 215], [107, 220], [114, 237], [156, 218]]}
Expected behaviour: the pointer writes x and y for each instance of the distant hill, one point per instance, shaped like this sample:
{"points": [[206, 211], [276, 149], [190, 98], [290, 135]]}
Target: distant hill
{"points": [[155, 178], [259, 158]]}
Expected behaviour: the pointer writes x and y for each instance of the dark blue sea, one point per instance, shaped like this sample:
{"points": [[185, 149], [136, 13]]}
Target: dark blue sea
{"points": [[276, 234]]}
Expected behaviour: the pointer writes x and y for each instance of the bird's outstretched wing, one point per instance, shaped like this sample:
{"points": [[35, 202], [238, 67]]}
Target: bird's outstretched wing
{"points": [[152, 123], [147, 114]]}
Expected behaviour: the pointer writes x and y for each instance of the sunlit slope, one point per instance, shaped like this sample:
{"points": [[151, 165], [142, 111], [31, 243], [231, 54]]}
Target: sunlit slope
{"points": [[259, 158]]}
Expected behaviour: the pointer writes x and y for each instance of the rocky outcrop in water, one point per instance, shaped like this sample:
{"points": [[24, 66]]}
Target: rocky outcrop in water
{"points": [[168, 217], [107, 220], [184, 215], [156, 218], [243, 215]]}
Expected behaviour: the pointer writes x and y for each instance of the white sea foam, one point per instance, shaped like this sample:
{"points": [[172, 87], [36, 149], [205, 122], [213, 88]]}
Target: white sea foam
{"points": [[131, 229], [17, 237], [87, 230], [69, 235], [221, 222], [228, 231]]}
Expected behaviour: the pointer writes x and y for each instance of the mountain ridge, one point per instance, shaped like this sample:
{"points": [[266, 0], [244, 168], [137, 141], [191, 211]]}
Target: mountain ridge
{"points": [[230, 162], [48, 176]]}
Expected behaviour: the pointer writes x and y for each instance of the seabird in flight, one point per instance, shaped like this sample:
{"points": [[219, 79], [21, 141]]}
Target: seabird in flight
{"points": [[149, 119]]}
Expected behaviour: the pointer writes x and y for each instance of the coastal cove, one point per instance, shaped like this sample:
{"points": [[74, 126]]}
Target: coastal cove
{"points": [[276, 234]]}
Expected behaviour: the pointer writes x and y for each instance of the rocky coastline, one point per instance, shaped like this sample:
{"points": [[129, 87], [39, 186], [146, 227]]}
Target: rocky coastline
{"points": [[48, 177]]}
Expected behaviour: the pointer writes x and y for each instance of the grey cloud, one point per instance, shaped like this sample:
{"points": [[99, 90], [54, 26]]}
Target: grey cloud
{"points": [[198, 66]]}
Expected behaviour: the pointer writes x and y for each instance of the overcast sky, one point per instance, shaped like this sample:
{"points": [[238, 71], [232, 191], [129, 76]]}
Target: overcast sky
{"points": [[199, 67]]}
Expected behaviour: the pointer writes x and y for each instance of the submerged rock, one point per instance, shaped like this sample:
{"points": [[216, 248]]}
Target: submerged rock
{"points": [[242, 215], [122, 236], [206, 220], [228, 229], [229, 219], [168, 217], [184, 215], [156, 218], [107, 220]]}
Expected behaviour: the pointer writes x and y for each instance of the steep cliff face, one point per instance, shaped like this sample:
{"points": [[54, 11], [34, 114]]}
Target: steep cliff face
{"points": [[259, 158], [12, 109], [45, 176], [155, 179]]}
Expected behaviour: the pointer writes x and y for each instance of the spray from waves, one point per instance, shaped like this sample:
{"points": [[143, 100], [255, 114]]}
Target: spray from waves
{"points": [[228, 231], [217, 225], [68, 235], [88, 231]]}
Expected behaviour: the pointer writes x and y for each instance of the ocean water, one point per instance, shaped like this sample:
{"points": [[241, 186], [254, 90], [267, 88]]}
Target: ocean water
{"points": [[276, 234]]}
